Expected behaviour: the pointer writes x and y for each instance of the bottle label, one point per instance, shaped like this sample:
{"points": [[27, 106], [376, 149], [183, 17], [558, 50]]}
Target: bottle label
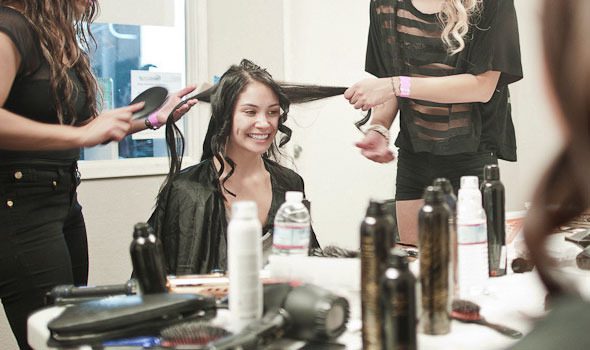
{"points": [[290, 238], [473, 258], [370, 307], [503, 258], [472, 233]]}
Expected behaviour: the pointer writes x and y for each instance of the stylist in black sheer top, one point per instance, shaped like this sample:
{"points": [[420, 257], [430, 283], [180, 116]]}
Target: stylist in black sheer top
{"points": [[48, 111], [445, 66]]}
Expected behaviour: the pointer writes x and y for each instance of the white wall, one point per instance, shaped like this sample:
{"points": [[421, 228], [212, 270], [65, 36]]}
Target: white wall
{"points": [[245, 29], [537, 135], [324, 43]]}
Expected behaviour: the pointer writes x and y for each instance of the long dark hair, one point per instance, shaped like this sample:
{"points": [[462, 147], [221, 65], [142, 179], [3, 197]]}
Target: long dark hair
{"points": [[564, 191], [60, 30], [223, 97]]}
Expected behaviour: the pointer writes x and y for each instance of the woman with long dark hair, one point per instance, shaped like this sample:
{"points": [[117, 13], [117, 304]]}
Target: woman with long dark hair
{"points": [[48, 111], [445, 65], [247, 128], [564, 191]]}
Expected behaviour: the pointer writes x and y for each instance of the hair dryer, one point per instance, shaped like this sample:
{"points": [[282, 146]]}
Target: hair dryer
{"points": [[305, 312]]}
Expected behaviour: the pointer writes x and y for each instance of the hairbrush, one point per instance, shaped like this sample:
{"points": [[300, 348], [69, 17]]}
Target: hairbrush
{"points": [[468, 312], [521, 265], [193, 335]]}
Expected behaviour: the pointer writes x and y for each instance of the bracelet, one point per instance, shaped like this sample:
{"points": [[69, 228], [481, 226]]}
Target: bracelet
{"points": [[383, 131], [395, 85], [405, 86], [152, 121]]}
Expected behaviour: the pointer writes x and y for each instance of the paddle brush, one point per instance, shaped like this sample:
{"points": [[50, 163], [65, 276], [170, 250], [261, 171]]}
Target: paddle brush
{"points": [[468, 312], [191, 335]]}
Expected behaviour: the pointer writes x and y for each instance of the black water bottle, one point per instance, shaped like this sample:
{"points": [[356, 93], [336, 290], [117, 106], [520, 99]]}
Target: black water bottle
{"points": [[435, 263], [148, 260], [398, 300], [375, 229], [451, 199], [493, 197]]}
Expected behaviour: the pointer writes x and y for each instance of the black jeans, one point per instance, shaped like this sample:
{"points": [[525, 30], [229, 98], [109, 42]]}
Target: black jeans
{"points": [[42, 238], [416, 171]]}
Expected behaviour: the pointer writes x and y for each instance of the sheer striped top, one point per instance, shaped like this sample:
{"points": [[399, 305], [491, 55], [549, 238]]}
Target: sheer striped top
{"points": [[404, 41]]}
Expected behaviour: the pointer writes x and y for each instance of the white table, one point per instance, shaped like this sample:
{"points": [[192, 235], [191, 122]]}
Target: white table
{"points": [[514, 300]]}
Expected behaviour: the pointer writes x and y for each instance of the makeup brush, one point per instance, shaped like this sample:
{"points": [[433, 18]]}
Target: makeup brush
{"points": [[468, 312], [191, 335]]}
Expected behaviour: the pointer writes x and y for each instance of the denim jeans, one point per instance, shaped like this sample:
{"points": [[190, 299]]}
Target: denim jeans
{"points": [[42, 238]]}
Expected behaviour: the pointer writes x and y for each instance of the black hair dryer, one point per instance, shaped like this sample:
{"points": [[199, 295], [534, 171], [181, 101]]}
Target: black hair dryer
{"points": [[306, 312], [315, 313]]}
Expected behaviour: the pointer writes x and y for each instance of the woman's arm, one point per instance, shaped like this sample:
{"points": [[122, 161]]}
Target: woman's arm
{"points": [[374, 145], [19, 133], [460, 88]]}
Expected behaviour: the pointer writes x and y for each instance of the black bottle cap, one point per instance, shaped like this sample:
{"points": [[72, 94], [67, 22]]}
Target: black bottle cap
{"points": [[398, 258], [444, 184], [375, 208], [141, 229], [491, 172], [433, 194]]}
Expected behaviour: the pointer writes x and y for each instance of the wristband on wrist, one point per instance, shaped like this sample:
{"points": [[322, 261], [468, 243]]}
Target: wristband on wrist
{"points": [[383, 131], [395, 85], [152, 121], [405, 86]]}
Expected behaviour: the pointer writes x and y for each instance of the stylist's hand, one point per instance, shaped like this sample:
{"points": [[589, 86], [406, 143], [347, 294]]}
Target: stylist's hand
{"points": [[172, 101], [369, 93], [374, 147], [111, 125]]}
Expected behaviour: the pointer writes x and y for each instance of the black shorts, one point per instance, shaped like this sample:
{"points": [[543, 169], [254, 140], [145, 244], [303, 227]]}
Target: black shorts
{"points": [[416, 171]]}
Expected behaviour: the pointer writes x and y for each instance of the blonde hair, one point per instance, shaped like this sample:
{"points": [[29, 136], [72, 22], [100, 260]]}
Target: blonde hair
{"points": [[456, 16]]}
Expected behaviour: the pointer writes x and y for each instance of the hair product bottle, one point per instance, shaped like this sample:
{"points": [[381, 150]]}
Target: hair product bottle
{"points": [[398, 300], [244, 261], [472, 237], [451, 200], [147, 258], [374, 229], [492, 191], [291, 231], [435, 263]]}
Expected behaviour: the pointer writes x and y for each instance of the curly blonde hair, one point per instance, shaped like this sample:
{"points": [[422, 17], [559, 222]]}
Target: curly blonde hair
{"points": [[455, 16]]}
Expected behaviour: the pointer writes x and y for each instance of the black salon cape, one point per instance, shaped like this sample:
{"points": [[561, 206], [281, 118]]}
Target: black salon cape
{"points": [[190, 218]]}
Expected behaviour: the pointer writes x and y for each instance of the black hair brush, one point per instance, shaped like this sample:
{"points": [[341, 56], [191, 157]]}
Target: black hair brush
{"points": [[194, 335], [468, 312]]}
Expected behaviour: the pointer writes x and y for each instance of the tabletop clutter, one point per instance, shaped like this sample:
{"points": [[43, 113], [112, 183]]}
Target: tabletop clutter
{"points": [[380, 297]]}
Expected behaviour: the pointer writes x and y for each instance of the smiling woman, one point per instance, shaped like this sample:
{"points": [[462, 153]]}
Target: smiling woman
{"points": [[248, 109], [255, 121]]}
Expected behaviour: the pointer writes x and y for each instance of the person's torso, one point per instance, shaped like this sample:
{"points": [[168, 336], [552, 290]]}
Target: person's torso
{"points": [[31, 94]]}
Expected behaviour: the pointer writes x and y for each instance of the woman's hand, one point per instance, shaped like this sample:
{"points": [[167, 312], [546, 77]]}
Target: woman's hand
{"points": [[369, 93], [111, 125], [374, 147], [172, 101]]}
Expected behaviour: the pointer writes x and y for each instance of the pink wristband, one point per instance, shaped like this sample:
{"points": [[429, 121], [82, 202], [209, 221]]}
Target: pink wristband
{"points": [[405, 86], [152, 121]]}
